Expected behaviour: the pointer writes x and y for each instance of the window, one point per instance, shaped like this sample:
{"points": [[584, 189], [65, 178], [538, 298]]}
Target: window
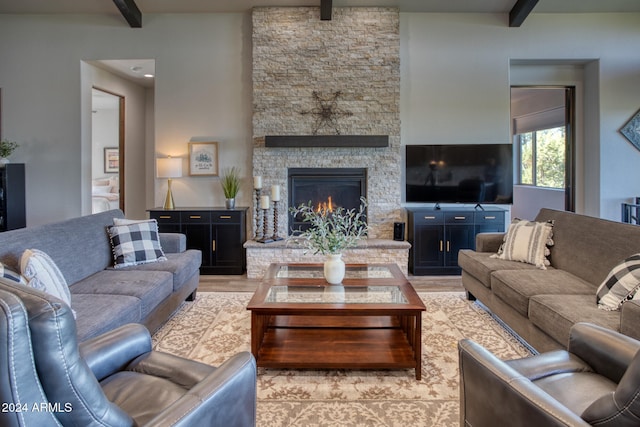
{"points": [[542, 157]]}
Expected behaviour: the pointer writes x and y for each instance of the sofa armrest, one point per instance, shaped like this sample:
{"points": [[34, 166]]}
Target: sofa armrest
{"points": [[114, 350], [608, 352], [173, 243], [492, 393], [225, 398], [630, 319], [489, 242]]}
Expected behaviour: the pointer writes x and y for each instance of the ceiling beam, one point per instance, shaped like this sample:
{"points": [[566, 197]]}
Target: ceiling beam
{"points": [[520, 11], [130, 12], [325, 9]]}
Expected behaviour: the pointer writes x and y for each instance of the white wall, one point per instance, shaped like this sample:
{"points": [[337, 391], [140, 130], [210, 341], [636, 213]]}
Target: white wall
{"points": [[456, 77], [203, 91], [531, 199]]}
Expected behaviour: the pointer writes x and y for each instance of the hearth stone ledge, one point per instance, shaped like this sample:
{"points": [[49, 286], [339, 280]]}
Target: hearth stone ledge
{"points": [[371, 251]]}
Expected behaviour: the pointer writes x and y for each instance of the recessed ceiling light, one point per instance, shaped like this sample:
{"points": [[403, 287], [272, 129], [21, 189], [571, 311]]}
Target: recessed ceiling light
{"points": [[149, 76], [136, 69]]}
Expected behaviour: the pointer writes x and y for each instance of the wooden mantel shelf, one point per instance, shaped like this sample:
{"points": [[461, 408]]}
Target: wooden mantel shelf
{"points": [[326, 141]]}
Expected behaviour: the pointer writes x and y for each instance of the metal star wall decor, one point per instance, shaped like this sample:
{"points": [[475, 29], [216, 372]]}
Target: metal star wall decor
{"points": [[632, 130], [327, 112]]}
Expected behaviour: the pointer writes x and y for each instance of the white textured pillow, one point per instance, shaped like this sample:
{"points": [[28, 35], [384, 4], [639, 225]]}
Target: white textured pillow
{"points": [[42, 273], [527, 241], [621, 284]]}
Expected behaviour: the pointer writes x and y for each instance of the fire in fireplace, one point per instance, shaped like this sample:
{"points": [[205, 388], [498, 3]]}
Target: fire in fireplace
{"points": [[326, 189]]}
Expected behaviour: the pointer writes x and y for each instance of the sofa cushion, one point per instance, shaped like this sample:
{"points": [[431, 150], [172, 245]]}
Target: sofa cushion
{"points": [[83, 238], [480, 265], [42, 273], [556, 314], [620, 285], [150, 287], [100, 313], [527, 241], [181, 265], [135, 243], [517, 287]]}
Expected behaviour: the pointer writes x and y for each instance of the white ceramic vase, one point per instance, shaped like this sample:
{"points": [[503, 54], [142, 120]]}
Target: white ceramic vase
{"points": [[334, 269]]}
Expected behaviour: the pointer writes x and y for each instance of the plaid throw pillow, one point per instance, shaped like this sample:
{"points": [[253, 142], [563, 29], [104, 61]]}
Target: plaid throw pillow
{"points": [[136, 243], [527, 241], [621, 284], [7, 273]]}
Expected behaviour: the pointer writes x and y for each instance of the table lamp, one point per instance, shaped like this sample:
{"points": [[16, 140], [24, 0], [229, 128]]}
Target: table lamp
{"points": [[169, 167]]}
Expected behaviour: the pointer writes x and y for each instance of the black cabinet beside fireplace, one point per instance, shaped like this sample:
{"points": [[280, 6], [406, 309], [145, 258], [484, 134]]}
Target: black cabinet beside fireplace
{"points": [[219, 233], [436, 236]]}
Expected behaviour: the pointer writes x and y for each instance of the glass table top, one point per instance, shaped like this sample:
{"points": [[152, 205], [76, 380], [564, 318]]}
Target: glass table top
{"points": [[316, 272], [336, 294]]}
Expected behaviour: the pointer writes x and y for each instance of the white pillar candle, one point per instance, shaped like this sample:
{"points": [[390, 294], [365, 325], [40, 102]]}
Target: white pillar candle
{"points": [[257, 182], [275, 193], [264, 202]]}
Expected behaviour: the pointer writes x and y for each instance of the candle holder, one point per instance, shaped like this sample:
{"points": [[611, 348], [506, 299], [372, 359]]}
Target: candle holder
{"points": [[264, 238], [275, 236], [256, 217]]}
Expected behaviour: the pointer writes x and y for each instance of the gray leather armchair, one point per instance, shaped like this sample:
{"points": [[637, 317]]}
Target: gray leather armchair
{"points": [[115, 379], [595, 382]]}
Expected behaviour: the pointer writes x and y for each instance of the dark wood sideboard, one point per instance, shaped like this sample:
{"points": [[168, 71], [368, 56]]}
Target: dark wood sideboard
{"points": [[218, 232]]}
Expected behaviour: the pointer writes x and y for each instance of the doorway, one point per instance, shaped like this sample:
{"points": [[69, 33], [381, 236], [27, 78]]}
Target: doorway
{"points": [[543, 132], [107, 148]]}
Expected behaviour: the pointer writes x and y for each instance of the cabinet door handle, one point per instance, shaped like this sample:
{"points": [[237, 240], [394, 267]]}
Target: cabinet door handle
{"points": [[225, 217], [165, 216], [448, 246], [429, 217], [213, 245], [441, 245], [489, 217], [195, 216], [459, 217]]}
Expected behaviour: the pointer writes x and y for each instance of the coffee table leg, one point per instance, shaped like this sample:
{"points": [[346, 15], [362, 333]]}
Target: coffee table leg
{"points": [[417, 344], [259, 325]]}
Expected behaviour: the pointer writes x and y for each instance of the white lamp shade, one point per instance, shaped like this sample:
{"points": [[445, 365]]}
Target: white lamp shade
{"points": [[169, 167]]}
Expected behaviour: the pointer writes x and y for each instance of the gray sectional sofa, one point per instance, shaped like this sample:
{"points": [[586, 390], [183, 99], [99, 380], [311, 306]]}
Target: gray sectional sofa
{"points": [[102, 297], [542, 305]]}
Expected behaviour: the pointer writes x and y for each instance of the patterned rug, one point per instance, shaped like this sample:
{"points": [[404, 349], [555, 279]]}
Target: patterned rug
{"points": [[217, 325]]}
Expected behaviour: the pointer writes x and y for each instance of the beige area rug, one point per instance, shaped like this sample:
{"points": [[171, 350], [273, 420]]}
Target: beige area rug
{"points": [[217, 325]]}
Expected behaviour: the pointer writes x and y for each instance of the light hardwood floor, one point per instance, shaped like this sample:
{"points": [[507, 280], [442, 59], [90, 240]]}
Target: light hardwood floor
{"points": [[210, 283]]}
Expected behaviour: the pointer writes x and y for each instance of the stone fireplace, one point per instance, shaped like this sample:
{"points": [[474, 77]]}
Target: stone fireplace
{"points": [[314, 78]]}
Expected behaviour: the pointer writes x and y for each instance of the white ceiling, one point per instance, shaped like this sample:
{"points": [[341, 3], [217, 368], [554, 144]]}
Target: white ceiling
{"points": [[226, 6]]}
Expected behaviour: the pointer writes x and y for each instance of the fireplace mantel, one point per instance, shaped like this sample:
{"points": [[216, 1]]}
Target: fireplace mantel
{"points": [[326, 141]]}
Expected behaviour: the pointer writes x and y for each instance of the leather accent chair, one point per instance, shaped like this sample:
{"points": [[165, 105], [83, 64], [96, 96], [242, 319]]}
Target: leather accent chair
{"points": [[595, 382], [114, 379]]}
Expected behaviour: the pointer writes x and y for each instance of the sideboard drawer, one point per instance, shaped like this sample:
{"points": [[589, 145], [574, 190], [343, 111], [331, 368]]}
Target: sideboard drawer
{"points": [[226, 217], [458, 218], [195, 217], [165, 217]]}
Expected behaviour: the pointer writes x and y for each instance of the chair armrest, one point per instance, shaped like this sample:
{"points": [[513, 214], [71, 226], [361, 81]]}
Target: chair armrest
{"points": [[489, 242], [492, 394], [173, 243], [225, 398], [630, 319], [608, 352], [113, 351]]}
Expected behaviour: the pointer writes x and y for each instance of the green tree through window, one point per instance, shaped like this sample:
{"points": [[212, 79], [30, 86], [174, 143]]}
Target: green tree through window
{"points": [[542, 157]]}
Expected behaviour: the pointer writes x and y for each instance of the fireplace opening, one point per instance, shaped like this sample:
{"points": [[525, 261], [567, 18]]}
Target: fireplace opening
{"points": [[325, 188]]}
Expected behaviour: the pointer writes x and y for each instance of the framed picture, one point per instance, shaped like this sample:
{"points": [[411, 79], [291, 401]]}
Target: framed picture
{"points": [[111, 160], [203, 158]]}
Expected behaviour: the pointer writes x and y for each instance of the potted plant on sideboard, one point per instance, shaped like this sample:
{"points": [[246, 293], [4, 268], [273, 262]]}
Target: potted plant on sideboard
{"points": [[230, 182]]}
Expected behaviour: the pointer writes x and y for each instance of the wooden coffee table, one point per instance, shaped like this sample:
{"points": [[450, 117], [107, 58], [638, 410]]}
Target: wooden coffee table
{"points": [[373, 321]]}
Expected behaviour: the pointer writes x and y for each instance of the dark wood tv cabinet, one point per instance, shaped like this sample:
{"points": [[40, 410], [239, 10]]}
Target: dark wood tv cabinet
{"points": [[436, 236]]}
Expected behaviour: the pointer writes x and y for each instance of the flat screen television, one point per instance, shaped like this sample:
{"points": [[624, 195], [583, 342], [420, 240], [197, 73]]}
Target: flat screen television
{"points": [[459, 173]]}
